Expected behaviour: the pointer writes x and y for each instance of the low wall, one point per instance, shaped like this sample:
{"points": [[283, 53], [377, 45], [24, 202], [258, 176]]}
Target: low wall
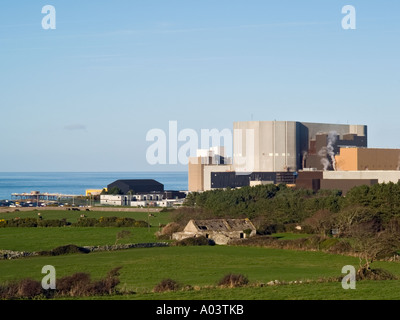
{"points": [[11, 255], [126, 246]]}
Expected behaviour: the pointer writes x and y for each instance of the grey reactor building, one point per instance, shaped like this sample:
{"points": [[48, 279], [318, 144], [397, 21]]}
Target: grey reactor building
{"points": [[273, 152]]}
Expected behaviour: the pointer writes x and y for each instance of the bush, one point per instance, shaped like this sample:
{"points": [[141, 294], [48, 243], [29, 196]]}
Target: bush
{"points": [[141, 224], [374, 274], [53, 223], [125, 222], [194, 241], [341, 247], [24, 222], [33, 223], [110, 222], [77, 284], [233, 281], [167, 231], [167, 285], [80, 284], [85, 222], [23, 289], [28, 288], [68, 249]]}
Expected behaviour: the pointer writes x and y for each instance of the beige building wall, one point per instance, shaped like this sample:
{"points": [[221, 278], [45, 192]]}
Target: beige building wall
{"points": [[199, 173], [265, 146], [378, 159], [353, 159], [347, 160], [195, 174], [382, 176]]}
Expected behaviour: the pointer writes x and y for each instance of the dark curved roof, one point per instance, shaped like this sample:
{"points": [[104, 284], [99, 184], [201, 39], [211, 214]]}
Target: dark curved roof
{"points": [[137, 185]]}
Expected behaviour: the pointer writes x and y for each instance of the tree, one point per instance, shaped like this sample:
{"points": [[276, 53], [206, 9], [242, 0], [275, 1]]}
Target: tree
{"points": [[371, 243], [321, 222], [351, 216]]}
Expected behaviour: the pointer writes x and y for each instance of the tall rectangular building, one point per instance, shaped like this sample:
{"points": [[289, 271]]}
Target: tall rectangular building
{"points": [[277, 146]]}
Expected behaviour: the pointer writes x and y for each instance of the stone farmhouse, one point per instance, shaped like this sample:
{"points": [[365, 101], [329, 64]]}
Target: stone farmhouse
{"points": [[221, 231]]}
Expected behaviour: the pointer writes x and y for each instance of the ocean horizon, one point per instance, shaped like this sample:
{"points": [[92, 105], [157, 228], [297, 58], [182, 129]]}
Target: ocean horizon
{"points": [[76, 183]]}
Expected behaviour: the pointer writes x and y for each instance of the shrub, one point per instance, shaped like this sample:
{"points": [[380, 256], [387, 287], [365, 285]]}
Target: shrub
{"points": [[108, 284], [125, 222], [167, 285], [110, 222], [28, 288], [24, 222], [53, 223], [77, 284], [233, 281], [80, 284], [85, 222], [68, 249], [374, 274], [167, 231], [341, 247], [141, 224], [194, 241], [23, 289]]}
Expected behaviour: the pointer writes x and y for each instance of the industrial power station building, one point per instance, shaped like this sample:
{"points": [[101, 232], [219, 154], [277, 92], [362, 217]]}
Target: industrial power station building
{"points": [[309, 155]]}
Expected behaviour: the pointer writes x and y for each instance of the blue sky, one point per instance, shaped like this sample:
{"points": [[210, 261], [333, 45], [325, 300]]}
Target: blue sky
{"points": [[83, 97]]}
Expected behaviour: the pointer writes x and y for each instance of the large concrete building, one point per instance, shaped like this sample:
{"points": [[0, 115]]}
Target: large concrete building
{"points": [[272, 152], [276, 146]]}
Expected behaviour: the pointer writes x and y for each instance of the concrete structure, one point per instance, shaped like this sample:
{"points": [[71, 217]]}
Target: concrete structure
{"points": [[274, 146], [343, 180], [267, 147], [344, 185], [200, 167], [221, 231], [380, 175], [354, 159]]}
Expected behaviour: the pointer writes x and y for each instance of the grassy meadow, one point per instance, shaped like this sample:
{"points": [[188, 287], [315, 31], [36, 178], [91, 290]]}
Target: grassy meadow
{"points": [[201, 267]]}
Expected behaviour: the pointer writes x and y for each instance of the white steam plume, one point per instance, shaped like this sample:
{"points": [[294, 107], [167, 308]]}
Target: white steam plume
{"points": [[332, 137], [328, 151]]}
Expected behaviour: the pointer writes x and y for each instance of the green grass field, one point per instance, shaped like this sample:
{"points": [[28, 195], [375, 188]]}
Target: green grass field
{"points": [[200, 267], [73, 216], [38, 239]]}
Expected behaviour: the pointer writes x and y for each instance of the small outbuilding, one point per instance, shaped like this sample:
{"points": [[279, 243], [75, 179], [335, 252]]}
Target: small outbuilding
{"points": [[221, 231]]}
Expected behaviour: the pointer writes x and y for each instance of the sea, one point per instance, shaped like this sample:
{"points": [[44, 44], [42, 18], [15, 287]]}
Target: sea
{"points": [[76, 183]]}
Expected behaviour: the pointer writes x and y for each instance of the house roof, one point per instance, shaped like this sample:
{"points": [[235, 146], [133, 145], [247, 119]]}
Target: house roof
{"points": [[139, 182], [137, 185], [223, 225]]}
